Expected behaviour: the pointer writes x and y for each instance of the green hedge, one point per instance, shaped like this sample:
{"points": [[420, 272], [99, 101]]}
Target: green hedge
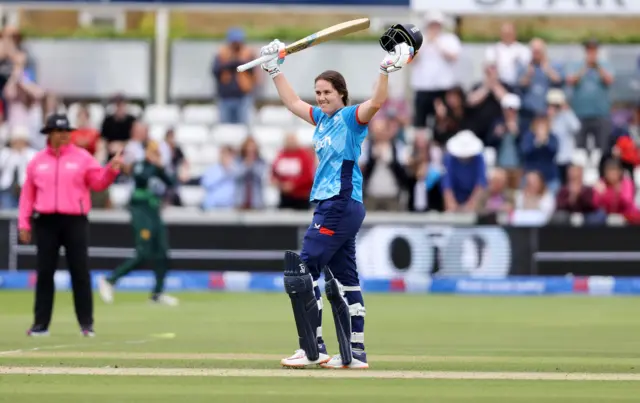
{"points": [[289, 34]]}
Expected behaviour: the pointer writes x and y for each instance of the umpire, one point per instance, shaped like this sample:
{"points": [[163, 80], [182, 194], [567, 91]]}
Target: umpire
{"points": [[55, 199]]}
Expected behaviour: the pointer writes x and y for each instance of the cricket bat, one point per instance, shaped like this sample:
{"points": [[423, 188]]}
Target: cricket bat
{"points": [[327, 34]]}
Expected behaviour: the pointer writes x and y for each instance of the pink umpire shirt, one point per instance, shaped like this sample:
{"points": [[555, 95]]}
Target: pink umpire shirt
{"points": [[62, 183]]}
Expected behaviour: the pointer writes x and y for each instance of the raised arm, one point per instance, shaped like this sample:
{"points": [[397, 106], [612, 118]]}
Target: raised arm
{"points": [[393, 61], [288, 96]]}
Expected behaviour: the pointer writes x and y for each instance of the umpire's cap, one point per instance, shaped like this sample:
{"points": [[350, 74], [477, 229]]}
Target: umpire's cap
{"points": [[57, 122], [401, 33]]}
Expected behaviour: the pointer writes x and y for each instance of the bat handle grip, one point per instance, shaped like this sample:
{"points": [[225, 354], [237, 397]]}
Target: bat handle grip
{"points": [[254, 63]]}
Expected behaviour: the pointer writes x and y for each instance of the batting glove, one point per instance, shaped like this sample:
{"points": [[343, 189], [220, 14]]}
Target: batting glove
{"points": [[276, 50], [401, 55]]}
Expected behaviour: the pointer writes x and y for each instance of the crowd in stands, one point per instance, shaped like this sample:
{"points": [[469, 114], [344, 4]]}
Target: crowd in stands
{"points": [[535, 140]]}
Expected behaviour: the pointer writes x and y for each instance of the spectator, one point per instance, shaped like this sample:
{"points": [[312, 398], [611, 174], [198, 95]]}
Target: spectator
{"points": [[539, 148], [116, 127], [465, 176], [13, 43], [614, 192], [13, 166], [249, 171], [565, 125], [424, 179], [383, 168], [23, 99], [173, 157], [451, 116], [591, 81], [575, 197], [433, 72], [235, 90], [506, 139], [535, 204], [292, 173], [484, 103], [535, 80], [219, 182], [134, 150], [498, 198], [508, 55], [85, 136]]}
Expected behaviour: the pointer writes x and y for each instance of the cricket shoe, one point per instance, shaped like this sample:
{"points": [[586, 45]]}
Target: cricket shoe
{"points": [[106, 290], [87, 331], [37, 331], [165, 299], [299, 358], [359, 361]]}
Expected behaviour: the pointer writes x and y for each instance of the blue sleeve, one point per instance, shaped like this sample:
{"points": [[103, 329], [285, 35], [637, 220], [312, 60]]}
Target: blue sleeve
{"points": [[433, 175], [561, 70], [552, 144], [527, 145], [446, 177], [350, 116], [316, 114], [481, 179]]}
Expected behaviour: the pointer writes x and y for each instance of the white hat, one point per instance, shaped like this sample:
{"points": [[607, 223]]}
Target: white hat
{"points": [[20, 133], [435, 16], [464, 144], [556, 96], [510, 101]]}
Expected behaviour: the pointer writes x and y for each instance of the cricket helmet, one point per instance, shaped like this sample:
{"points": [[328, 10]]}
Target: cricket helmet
{"points": [[401, 33]]}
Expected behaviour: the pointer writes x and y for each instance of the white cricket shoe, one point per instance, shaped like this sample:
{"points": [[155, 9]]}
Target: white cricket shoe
{"points": [[165, 299], [299, 360], [359, 361], [106, 290]]}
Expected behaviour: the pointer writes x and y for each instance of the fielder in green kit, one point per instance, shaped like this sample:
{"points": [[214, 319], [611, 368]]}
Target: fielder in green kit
{"points": [[149, 230]]}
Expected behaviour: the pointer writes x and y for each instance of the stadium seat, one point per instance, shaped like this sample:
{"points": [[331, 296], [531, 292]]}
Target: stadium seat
{"points": [[191, 134], [269, 153], [96, 114], [120, 194], [191, 196], [305, 135], [591, 176], [191, 153], [580, 157], [162, 114], [490, 156], [209, 154], [157, 132], [200, 114], [268, 136], [271, 196], [196, 170], [228, 134], [275, 116]]}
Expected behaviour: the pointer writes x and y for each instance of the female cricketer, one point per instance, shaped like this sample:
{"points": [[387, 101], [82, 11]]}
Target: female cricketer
{"points": [[329, 243], [148, 228]]}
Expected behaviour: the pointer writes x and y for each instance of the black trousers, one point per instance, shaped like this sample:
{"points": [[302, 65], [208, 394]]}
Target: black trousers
{"points": [[51, 232]]}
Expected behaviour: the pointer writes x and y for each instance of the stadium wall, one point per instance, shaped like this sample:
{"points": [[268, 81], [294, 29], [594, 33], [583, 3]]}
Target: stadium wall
{"points": [[426, 257]]}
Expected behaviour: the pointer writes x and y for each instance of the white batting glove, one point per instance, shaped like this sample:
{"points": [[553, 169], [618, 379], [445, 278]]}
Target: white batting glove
{"points": [[401, 55], [275, 50]]}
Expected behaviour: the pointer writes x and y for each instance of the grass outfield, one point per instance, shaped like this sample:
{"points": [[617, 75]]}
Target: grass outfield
{"points": [[226, 347]]}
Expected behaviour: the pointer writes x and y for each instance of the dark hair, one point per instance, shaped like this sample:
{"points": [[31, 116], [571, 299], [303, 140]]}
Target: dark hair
{"points": [[337, 81], [245, 145]]}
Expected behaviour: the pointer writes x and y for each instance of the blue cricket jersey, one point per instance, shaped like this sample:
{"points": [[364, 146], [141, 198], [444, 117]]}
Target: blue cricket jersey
{"points": [[338, 141]]}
